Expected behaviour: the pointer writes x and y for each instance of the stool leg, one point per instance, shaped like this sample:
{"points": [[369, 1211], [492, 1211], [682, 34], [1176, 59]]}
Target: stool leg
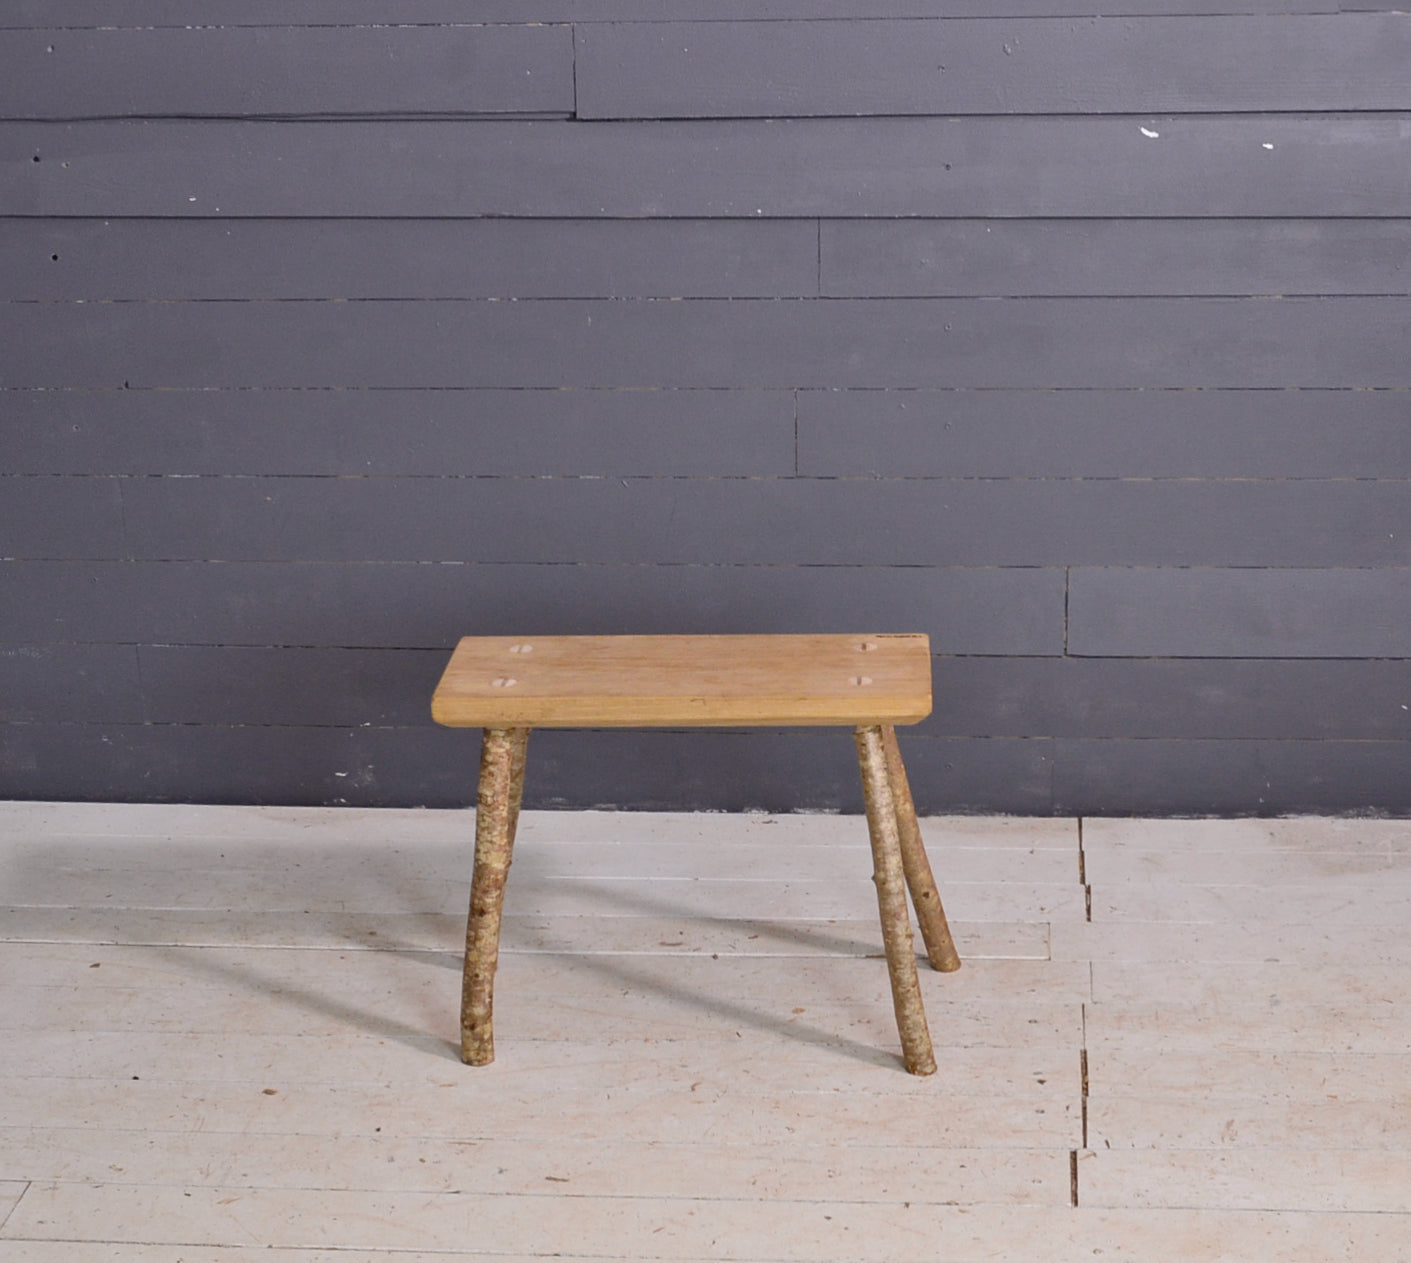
{"points": [[502, 755], [891, 902], [940, 947]]}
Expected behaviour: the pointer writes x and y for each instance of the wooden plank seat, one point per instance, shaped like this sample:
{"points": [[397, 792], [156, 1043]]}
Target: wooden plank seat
{"points": [[869, 682]]}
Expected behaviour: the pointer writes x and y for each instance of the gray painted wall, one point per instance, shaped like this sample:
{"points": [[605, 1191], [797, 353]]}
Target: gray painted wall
{"points": [[1078, 342]]}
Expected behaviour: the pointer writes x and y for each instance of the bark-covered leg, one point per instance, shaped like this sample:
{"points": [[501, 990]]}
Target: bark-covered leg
{"points": [[940, 947], [519, 748], [502, 756], [891, 903]]}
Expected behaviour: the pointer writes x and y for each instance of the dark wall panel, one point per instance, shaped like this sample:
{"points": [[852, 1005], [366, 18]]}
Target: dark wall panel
{"points": [[1181, 165], [61, 517], [715, 433], [1105, 433], [511, 258], [1073, 335], [233, 71], [788, 522], [415, 605], [1053, 342], [1296, 613], [51, 13], [975, 697], [346, 688], [1171, 698], [1218, 778], [997, 66], [218, 764], [1119, 257], [420, 258], [758, 770], [52, 684], [210, 763]]}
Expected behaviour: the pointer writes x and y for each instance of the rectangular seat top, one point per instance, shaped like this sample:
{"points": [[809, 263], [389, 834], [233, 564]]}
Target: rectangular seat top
{"points": [[688, 681]]}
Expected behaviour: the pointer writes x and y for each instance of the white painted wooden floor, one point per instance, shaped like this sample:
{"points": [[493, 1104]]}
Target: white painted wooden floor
{"points": [[227, 1037]]}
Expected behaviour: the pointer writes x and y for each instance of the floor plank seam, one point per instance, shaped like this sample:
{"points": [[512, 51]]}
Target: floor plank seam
{"points": [[1083, 1081], [14, 1205], [1083, 875]]}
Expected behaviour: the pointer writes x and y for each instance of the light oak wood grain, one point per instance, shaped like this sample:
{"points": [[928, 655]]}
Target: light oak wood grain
{"points": [[646, 681]]}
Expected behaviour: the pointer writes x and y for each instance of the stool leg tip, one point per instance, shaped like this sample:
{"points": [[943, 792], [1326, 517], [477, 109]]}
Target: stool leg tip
{"points": [[477, 1056]]}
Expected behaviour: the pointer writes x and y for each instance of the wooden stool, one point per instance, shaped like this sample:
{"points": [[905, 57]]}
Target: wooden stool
{"points": [[508, 685]]}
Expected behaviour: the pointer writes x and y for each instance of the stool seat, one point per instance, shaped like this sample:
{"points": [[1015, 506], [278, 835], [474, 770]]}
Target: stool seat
{"points": [[684, 681], [508, 685]]}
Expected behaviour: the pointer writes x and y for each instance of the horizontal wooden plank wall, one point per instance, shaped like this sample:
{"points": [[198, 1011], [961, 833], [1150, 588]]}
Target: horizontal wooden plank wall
{"points": [[331, 331]]}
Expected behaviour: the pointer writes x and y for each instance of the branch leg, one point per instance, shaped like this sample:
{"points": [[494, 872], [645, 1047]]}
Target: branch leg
{"points": [[502, 755], [891, 902], [940, 947]]}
